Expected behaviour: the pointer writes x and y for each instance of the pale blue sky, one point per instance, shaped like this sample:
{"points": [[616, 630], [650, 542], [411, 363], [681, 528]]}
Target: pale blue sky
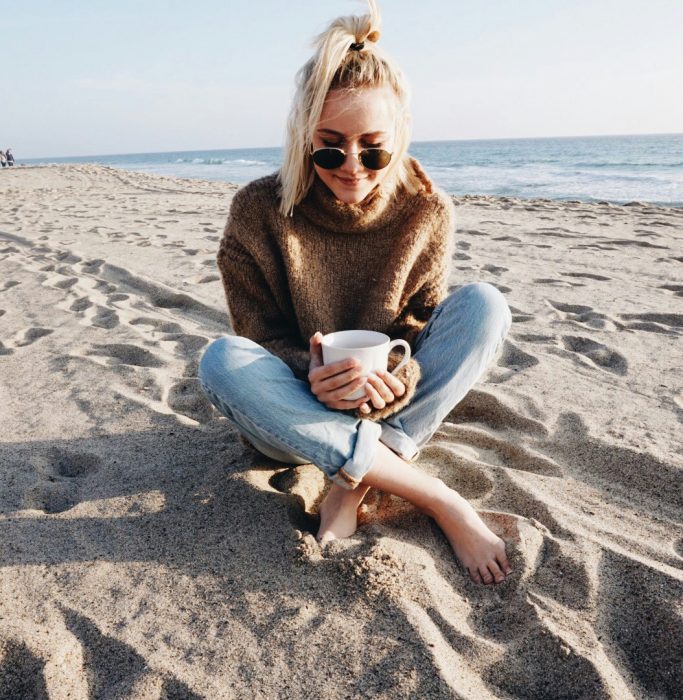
{"points": [[85, 78]]}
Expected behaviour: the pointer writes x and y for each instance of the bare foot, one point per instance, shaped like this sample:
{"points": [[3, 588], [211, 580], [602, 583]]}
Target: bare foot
{"points": [[480, 551], [339, 512]]}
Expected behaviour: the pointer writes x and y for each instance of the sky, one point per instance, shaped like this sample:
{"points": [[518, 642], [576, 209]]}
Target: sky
{"points": [[94, 78]]}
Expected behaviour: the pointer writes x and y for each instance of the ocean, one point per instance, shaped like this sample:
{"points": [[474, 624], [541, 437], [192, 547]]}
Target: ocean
{"points": [[619, 169]]}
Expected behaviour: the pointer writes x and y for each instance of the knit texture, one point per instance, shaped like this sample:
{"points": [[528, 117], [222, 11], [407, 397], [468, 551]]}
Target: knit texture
{"points": [[377, 265]]}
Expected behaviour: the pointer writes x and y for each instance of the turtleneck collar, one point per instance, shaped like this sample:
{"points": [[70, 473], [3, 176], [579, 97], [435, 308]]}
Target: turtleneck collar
{"points": [[322, 208]]}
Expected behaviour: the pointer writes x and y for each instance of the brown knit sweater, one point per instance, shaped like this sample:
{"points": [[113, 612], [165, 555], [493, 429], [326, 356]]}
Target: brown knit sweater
{"points": [[334, 266]]}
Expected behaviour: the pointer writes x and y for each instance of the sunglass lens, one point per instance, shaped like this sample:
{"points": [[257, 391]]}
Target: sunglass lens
{"points": [[375, 158], [328, 158]]}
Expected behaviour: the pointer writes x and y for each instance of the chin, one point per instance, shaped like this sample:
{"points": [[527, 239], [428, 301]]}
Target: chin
{"points": [[352, 195]]}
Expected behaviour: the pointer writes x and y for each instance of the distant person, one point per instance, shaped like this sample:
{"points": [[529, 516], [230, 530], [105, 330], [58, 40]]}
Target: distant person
{"points": [[3, 159], [351, 233], [9, 157]]}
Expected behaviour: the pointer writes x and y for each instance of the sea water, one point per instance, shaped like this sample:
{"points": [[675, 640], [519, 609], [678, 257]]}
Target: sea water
{"points": [[614, 168]]}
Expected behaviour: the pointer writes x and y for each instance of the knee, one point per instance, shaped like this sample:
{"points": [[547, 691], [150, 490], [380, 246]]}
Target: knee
{"points": [[217, 359], [489, 304]]}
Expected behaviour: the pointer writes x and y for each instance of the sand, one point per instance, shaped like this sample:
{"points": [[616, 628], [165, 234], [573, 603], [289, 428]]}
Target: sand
{"points": [[145, 552]]}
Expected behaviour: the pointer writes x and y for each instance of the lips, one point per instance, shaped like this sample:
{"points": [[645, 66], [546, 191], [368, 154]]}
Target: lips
{"points": [[349, 182]]}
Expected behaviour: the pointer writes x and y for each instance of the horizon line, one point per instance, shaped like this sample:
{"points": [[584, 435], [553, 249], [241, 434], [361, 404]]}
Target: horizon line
{"points": [[252, 148]]}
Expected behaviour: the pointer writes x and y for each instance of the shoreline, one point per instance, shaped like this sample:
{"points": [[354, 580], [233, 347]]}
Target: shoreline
{"points": [[465, 197]]}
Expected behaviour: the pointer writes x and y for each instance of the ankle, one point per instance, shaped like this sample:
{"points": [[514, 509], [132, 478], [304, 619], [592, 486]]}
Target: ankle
{"points": [[441, 499]]}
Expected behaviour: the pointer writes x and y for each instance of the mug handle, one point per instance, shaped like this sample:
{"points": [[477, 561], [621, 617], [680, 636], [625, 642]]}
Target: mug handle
{"points": [[406, 352]]}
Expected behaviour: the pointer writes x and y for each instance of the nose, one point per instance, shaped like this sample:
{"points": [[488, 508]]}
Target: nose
{"points": [[352, 165]]}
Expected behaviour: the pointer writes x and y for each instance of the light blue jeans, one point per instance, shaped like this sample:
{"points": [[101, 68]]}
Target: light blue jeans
{"points": [[283, 419]]}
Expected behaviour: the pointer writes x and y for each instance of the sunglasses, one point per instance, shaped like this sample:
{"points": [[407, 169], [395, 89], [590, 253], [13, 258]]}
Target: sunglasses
{"points": [[371, 158]]}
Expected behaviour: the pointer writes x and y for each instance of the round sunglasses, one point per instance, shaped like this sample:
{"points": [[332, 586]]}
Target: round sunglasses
{"points": [[371, 158]]}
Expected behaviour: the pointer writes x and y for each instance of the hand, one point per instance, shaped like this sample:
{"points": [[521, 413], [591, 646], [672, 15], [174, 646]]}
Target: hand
{"points": [[383, 387], [330, 383]]}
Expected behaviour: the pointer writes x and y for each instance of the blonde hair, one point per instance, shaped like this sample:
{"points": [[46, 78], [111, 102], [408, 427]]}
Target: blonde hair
{"points": [[335, 67]]}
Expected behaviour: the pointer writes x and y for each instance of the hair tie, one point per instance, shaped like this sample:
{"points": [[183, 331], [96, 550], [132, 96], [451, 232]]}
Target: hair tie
{"points": [[357, 47]]}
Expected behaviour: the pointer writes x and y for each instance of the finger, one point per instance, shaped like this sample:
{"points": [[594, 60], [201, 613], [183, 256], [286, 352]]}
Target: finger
{"points": [[345, 405], [382, 389], [330, 370], [377, 400], [498, 575], [315, 350], [345, 390], [343, 380], [486, 575], [394, 383]]}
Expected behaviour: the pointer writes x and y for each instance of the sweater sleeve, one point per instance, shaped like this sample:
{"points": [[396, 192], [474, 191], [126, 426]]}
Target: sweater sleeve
{"points": [[252, 307], [432, 290]]}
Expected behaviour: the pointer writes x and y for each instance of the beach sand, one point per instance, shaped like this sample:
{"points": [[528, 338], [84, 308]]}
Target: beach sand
{"points": [[145, 552]]}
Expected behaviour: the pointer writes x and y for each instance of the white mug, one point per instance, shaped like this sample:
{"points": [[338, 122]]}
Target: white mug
{"points": [[369, 347]]}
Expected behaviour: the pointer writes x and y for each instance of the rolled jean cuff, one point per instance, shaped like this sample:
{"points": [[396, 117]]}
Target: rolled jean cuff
{"points": [[403, 445], [357, 466]]}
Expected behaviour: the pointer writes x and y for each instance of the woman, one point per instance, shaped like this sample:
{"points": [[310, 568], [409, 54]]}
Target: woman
{"points": [[351, 233]]}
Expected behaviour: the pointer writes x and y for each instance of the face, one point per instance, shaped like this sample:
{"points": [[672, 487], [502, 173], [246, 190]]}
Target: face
{"points": [[354, 122]]}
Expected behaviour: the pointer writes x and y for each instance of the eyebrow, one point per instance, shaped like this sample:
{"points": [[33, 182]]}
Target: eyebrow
{"points": [[338, 133]]}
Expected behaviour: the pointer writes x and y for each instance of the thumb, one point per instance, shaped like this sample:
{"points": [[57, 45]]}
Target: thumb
{"points": [[316, 349]]}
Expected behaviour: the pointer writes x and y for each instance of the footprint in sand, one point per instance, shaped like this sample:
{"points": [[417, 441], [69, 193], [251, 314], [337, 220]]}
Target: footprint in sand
{"points": [[588, 275], [91, 267], [59, 472], [125, 354], [597, 353], [584, 315], [677, 289], [557, 283], [30, 335], [8, 285], [187, 398], [104, 318], [519, 316], [208, 278], [157, 324], [66, 284], [494, 269], [535, 338], [514, 358], [305, 487], [81, 304], [655, 323]]}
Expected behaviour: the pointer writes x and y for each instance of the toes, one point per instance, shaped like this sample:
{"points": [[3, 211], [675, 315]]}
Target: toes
{"points": [[503, 561], [486, 575], [498, 575], [474, 575]]}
